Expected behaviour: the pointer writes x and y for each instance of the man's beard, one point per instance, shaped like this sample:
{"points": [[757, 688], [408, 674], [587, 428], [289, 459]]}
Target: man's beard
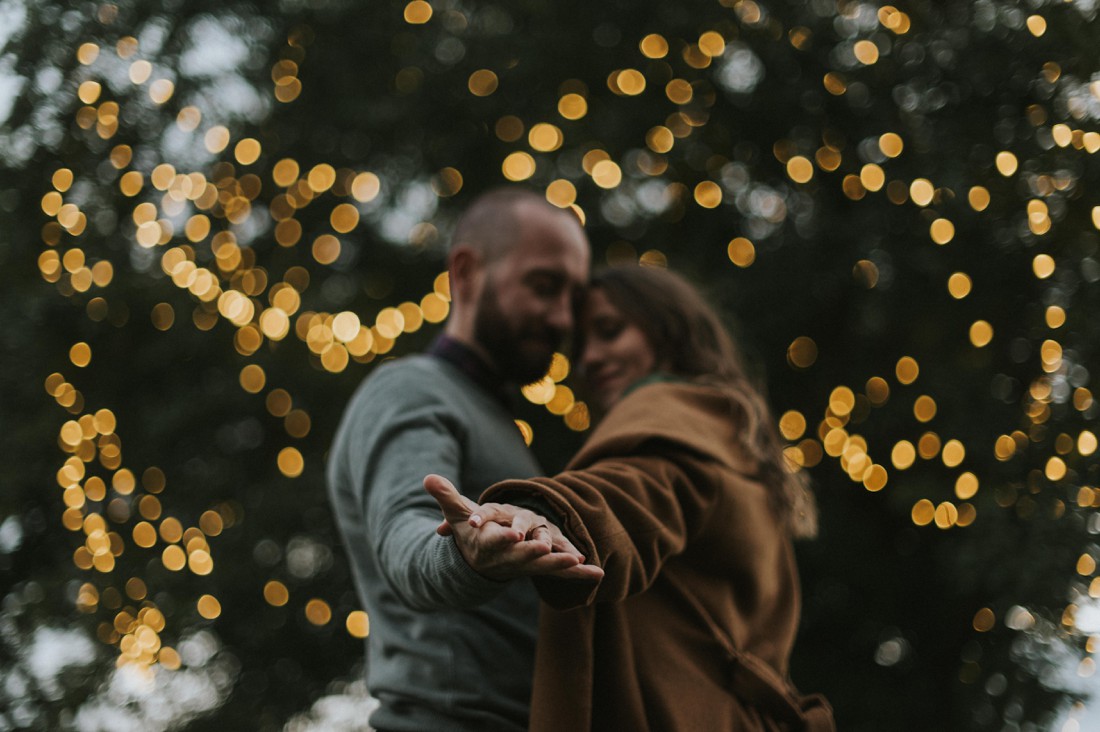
{"points": [[514, 348]]}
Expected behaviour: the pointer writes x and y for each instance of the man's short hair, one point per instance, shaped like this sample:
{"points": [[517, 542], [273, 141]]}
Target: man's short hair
{"points": [[490, 225]]}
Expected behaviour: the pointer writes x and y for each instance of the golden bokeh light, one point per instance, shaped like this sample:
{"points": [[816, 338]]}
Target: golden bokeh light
{"points": [[866, 52], [358, 624], [545, 137], [418, 12], [928, 446], [872, 177], [1043, 266], [875, 478], [572, 106], [200, 562], [518, 166], [87, 53], [526, 431], [708, 194], [607, 174], [365, 187], [800, 169], [802, 352], [981, 333], [80, 354], [891, 144], [947, 515], [252, 378], [578, 418], [629, 82], [344, 218], [924, 409], [953, 453], [482, 82], [942, 231], [173, 558], [653, 46], [290, 462], [834, 83], [841, 401], [209, 607], [247, 151], [877, 390], [216, 139], [318, 612], [1004, 447], [921, 191], [966, 486], [321, 177], [984, 620], [792, 425], [903, 455], [959, 285], [741, 252], [326, 249], [924, 511], [1006, 163], [660, 139], [276, 593], [1086, 443], [561, 193]]}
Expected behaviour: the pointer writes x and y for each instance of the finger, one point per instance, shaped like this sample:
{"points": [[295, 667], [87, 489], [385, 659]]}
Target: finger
{"points": [[522, 553], [580, 572], [444, 528], [455, 506], [560, 543], [500, 513], [549, 564], [524, 520], [542, 534], [494, 537]]}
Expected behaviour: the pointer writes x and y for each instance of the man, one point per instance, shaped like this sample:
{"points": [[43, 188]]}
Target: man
{"points": [[451, 648]]}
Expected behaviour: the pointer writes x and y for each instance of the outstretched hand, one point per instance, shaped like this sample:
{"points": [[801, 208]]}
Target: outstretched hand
{"points": [[502, 542]]}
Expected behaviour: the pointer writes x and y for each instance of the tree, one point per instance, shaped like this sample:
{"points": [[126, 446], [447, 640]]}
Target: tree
{"points": [[221, 216]]}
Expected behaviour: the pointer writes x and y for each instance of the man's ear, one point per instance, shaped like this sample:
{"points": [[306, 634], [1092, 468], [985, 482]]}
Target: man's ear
{"points": [[464, 265]]}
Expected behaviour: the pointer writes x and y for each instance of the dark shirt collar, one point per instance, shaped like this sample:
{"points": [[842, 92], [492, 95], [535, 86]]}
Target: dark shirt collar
{"points": [[470, 363]]}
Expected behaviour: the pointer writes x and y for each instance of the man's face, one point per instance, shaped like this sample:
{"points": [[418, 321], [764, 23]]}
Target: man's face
{"points": [[525, 310]]}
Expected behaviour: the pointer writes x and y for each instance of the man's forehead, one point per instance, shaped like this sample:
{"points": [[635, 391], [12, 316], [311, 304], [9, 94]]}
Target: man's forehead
{"points": [[551, 235]]}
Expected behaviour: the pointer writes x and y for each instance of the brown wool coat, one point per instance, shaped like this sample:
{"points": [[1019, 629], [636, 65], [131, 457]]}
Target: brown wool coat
{"points": [[692, 625]]}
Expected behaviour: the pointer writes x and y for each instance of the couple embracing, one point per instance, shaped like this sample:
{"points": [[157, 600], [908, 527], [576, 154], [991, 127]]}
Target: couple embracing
{"points": [[650, 586]]}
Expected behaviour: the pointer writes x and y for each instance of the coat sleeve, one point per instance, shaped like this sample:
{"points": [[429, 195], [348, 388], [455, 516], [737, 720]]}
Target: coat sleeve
{"points": [[627, 514]]}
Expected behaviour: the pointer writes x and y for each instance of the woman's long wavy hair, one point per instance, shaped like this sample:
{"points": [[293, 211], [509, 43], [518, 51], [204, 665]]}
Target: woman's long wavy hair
{"points": [[690, 341]]}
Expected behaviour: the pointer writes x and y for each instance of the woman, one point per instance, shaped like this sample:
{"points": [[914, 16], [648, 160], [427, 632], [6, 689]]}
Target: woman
{"points": [[682, 498]]}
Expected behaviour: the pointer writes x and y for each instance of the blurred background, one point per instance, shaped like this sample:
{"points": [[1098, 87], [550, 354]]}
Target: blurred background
{"points": [[218, 216]]}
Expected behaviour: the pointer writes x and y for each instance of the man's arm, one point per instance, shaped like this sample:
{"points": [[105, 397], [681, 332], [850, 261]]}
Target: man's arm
{"points": [[402, 431]]}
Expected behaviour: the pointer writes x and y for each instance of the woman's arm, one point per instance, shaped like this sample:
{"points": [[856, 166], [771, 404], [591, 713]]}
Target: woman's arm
{"points": [[629, 515]]}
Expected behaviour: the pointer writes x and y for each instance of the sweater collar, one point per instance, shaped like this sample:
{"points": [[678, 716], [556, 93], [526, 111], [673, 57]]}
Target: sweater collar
{"points": [[470, 363]]}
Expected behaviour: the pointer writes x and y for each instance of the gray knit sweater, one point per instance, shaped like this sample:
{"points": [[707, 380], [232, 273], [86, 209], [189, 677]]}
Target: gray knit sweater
{"points": [[448, 649]]}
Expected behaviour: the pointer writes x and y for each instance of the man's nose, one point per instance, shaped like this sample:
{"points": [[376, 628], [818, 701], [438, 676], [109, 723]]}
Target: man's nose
{"points": [[590, 358], [560, 315]]}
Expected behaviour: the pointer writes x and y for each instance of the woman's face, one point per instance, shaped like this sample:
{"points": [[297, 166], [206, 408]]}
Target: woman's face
{"points": [[616, 352]]}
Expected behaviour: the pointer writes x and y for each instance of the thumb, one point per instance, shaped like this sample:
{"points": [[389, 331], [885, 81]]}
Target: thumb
{"points": [[456, 507]]}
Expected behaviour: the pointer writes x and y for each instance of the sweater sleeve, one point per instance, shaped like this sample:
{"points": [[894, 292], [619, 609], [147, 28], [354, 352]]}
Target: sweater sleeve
{"points": [[410, 434], [627, 514]]}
